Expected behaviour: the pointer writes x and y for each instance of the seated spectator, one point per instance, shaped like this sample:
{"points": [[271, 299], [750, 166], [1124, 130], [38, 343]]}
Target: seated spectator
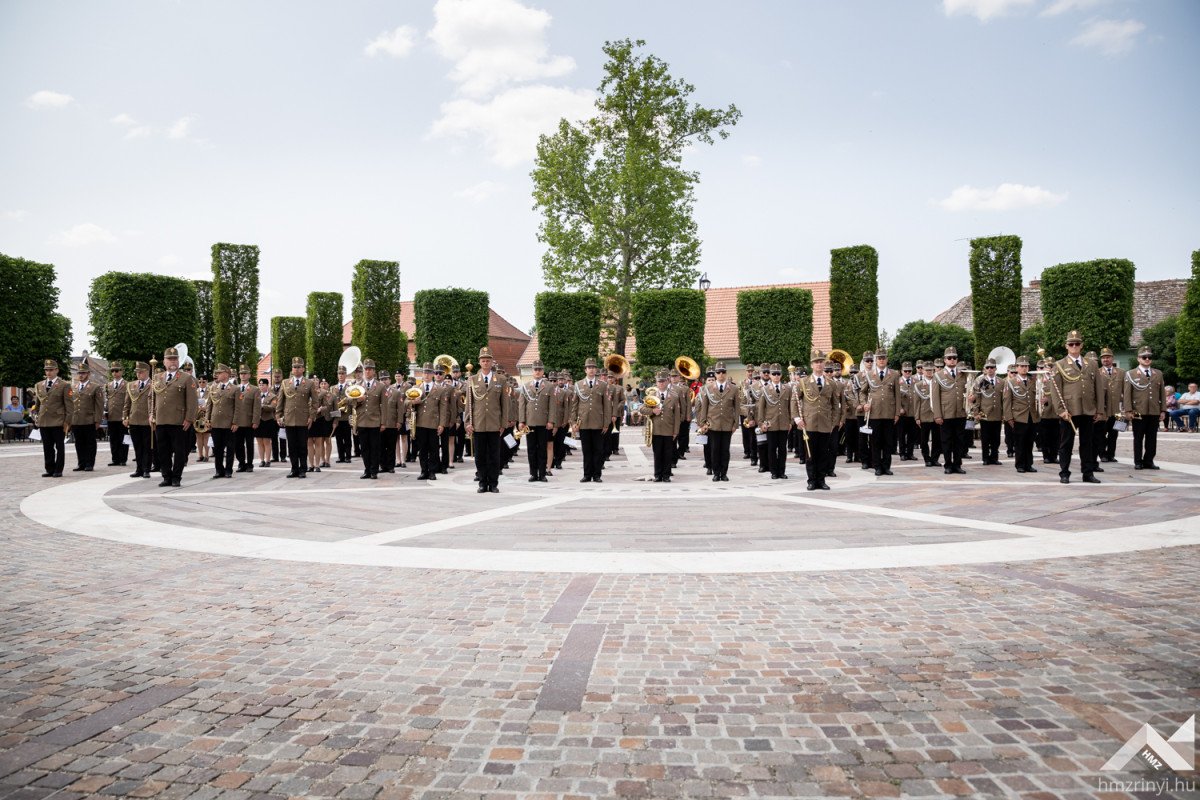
{"points": [[14, 404], [1172, 406], [1187, 407]]}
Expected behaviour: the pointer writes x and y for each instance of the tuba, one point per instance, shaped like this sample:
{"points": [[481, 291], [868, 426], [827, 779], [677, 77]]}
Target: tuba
{"points": [[689, 370], [1004, 356], [446, 361], [617, 365], [843, 358], [651, 401]]}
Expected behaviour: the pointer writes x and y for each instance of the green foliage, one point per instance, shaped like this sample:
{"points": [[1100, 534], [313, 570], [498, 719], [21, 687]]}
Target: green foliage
{"points": [[775, 325], [323, 333], [1034, 337], [1187, 335], [136, 314], [375, 309], [33, 331], [235, 303], [668, 323], [854, 298], [1161, 339], [287, 341], [453, 321], [568, 328], [205, 354], [616, 204], [996, 293], [925, 341], [1092, 297]]}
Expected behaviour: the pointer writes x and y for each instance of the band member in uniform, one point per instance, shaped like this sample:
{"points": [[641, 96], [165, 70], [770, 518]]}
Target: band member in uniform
{"points": [[1113, 378], [297, 405], [832, 372], [200, 424], [1009, 442], [881, 397], [534, 415], [172, 409], [907, 432], [487, 412], [279, 447], [87, 412], [221, 407], [135, 414], [664, 427], [341, 429], [682, 443], [1019, 407], [432, 414], [113, 407], [1048, 426], [322, 427], [749, 405], [458, 403], [247, 415], [368, 417], [1145, 400], [616, 402], [591, 416], [774, 415], [929, 434], [389, 422], [814, 407], [762, 449], [851, 388], [445, 447], [1076, 393], [717, 417], [268, 429], [53, 418], [986, 401], [947, 396]]}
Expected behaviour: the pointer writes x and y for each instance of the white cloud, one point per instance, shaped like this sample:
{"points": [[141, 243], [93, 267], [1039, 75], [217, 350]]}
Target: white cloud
{"points": [[1005, 197], [511, 122], [179, 129], [124, 120], [1063, 6], [397, 43], [480, 191], [84, 234], [49, 99], [983, 10], [751, 160], [494, 43], [15, 215], [1110, 36]]}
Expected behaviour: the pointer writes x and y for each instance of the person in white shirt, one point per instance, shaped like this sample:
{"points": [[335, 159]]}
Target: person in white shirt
{"points": [[1189, 407]]}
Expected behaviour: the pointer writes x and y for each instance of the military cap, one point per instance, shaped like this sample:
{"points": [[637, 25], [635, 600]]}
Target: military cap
{"points": [[456, 368], [297, 361], [830, 366], [930, 365], [566, 373], [1022, 361], [221, 368], [906, 365], [950, 352], [881, 353], [764, 367], [854, 369], [816, 355], [1074, 338], [277, 371], [243, 368], [187, 366], [368, 364], [537, 364], [776, 368], [674, 372], [662, 375], [484, 353], [83, 366], [937, 362], [170, 351], [50, 363], [1106, 351], [1145, 350], [142, 365], [710, 374], [115, 366], [720, 367], [427, 367], [991, 362], [590, 362]]}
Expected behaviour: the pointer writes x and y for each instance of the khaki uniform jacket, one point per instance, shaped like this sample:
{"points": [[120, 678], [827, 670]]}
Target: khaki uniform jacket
{"points": [[392, 405], [247, 406], [561, 405], [840, 383], [266, 404], [87, 404], [1145, 396], [489, 405], [689, 405], [924, 399], [592, 406], [221, 405], [135, 407], [988, 405], [908, 399], [297, 404], [114, 400], [1019, 400], [172, 403], [368, 409], [670, 408], [883, 395], [52, 403], [535, 403], [616, 399], [719, 409], [752, 392], [818, 406], [1114, 390], [1079, 389], [325, 403], [773, 411], [432, 410], [948, 394], [851, 393]]}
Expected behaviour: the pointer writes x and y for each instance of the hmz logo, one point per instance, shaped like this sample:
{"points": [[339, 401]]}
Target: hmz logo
{"points": [[1177, 752]]}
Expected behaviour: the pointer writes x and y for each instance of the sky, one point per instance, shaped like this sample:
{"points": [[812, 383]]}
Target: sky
{"points": [[136, 134]]}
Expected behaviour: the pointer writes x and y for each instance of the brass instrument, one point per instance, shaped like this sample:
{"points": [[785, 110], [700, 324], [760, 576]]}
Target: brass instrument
{"points": [[841, 357], [617, 365], [689, 370], [651, 400], [446, 361], [414, 392]]}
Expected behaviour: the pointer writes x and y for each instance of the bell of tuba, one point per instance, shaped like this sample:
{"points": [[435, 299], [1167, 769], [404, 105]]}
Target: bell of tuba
{"points": [[843, 358], [1004, 356], [446, 361], [617, 365], [351, 359], [689, 370]]}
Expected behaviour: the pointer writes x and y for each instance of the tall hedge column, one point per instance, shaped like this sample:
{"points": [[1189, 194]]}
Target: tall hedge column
{"points": [[775, 325], [206, 334], [136, 314], [854, 298], [568, 328], [452, 321], [1092, 297], [287, 342], [33, 331], [323, 333], [1187, 328], [668, 323], [375, 309], [235, 302], [996, 293]]}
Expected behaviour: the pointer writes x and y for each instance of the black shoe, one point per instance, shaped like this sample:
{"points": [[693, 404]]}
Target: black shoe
{"points": [[1063, 479], [51, 475], [132, 474], [764, 469], [585, 479], [1152, 466], [1138, 466], [115, 464], [667, 479], [363, 477], [1090, 479], [865, 466], [597, 479], [774, 477], [165, 483], [725, 478], [302, 475], [1020, 470], [1030, 469], [1097, 469], [949, 470], [886, 472], [77, 469], [827, 475], [812, 487], [783, 477], [823, 485], [494, 490], [218, 475], [293, 475], [481, 490], [175, 483], [959, 471], [87, 469]]}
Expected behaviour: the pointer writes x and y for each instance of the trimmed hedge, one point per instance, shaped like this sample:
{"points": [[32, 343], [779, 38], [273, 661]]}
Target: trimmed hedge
{"points": [[206, 341], [235, 303], [1034, 337], [323, 333], [375, 311], [854, 298], [668, 323], [1092, 297], [568, 328], [775, 325], [1161, 339], [33, 331], [1187, 328], [136, 314], [453, 321], [287, 342], [996, 293], [925, 341]]}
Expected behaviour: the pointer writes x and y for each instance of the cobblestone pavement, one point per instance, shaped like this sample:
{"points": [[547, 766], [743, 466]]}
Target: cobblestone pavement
{"points": [[137, 671]]}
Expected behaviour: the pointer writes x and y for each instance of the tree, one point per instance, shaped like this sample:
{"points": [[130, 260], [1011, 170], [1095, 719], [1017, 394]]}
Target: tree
{"points": [[33, 331], [1092, 297], [375, 310], [925, 341], [996, 293], [616, 203], [136, 314], [1034, 337], [287, 342], [568, 328], [235, 303], [668, 323], [1187, 335], [451, 321], [323, 333], [206, 341], [775, 325], [854, 298], [1161, 339]]}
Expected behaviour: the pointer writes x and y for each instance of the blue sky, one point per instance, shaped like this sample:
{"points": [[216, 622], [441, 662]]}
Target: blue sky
{"points": [[136, 134]]}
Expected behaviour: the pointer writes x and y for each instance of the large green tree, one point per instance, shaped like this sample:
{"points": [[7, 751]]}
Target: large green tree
{"points": [[854, 298], [375, 310], [323, 333], [33, 330], [1187, 333], [616, 203], [1161, 339], [205, 355], [996, 293], [235, 303], [1092, 297], [137, 314], [925, 341]]}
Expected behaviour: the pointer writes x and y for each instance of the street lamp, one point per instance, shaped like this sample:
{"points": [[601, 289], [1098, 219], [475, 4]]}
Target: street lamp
{"points": [[705, 282]]}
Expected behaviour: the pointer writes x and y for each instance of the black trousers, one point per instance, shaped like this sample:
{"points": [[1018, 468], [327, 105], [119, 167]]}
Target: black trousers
{"points": [[989, 441], [54, 448], [116, 442], [243, 447], [535, 444], [1066, 445], [297, 444], [931, 442], [883, 442], [850, 438], [830, 453], [1023, 444], [866, 449], [795, 443], [444, 445], [749, 445], [172, 445], [718, 442], [85, 445], [1145, 440], [614, 435], [777, 452], [387, 449], [818, 443], [1048, 436], [908, 435], [369, 447], [427, 449], [954, 441], [682, 441], [487, 448], [460, 441], [664, 455], [341, 435], [223, 447], [140, 434], [1009, 445], [560, 445], [1106, 438], [592, 442]]}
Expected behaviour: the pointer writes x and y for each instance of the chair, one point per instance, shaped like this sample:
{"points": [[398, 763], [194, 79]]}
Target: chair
{"points": [[15, 420]]}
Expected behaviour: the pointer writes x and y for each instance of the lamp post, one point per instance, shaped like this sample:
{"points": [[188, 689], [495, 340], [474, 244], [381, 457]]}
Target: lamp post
{"points": [[705, 282]]}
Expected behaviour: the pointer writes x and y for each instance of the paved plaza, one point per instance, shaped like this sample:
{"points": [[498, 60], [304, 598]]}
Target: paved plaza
{"points": [[920, 635]]}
